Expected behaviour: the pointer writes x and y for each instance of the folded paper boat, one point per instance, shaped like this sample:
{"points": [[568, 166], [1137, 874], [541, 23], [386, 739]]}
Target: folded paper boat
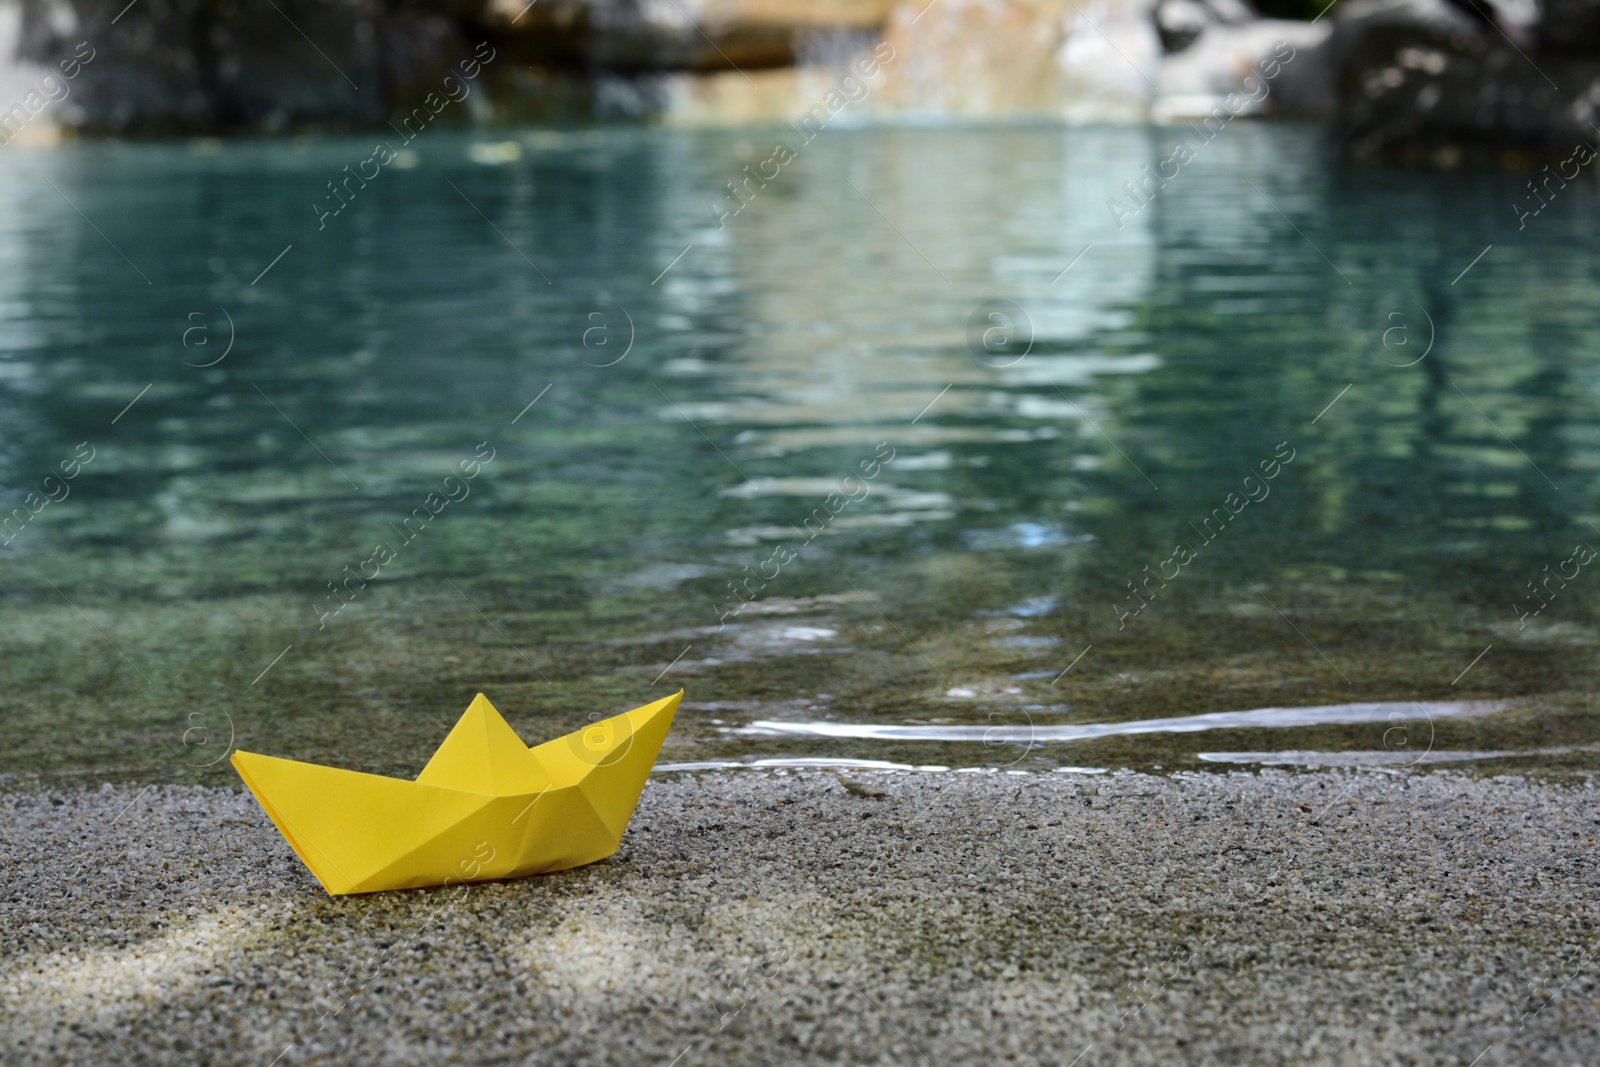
{"points": [[485, 807]]}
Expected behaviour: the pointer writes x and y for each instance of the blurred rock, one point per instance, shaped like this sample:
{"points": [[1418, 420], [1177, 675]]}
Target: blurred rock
{"points": [[1231, 12], [1400, 76], [1181, 21], [191, 66], [29, 104], [655, 36], [1279, 66], [420, 50], [980, 58], [148, 68], [644, 36], [294, 63], [946, 59], [1570, 27], [1109, 60], [1423, 79], [201, 66]]}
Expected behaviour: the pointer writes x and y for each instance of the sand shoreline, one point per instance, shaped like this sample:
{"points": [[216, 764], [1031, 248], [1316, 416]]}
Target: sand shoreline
{"points": [[751, 917]]}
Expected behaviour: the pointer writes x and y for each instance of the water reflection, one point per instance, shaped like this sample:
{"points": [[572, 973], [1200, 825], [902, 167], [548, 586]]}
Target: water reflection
{"points": [[1034, 733], [1383, 759], [985, 578]]}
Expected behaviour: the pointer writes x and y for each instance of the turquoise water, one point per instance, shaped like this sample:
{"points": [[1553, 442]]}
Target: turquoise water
{"points": [[997, 476]]}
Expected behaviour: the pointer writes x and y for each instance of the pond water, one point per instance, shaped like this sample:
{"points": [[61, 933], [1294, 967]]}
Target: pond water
{"points": [[1292, 465]]}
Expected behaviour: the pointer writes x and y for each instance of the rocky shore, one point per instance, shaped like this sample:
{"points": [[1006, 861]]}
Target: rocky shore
{"points": [[1423, 78], [756, 918]]}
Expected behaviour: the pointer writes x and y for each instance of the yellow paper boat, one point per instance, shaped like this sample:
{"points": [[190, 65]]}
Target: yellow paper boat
{"points": [[486, 806]]}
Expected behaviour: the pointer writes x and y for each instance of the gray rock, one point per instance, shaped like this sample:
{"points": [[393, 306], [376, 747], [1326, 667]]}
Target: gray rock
{"points": [[1424, 78], [1570, 27], [145, 72], [420, 50], [642, 37], [1181, 21], [639, 35], [1279, 65], [294, 63], [192, 66], [1231, 12]]}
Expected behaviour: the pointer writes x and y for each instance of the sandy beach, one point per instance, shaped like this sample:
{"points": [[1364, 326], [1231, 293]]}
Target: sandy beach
{"points": [[758, 918]]}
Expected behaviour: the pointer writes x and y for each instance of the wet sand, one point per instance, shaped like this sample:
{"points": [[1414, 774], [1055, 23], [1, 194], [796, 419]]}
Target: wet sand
{"points": [[758, 918]]}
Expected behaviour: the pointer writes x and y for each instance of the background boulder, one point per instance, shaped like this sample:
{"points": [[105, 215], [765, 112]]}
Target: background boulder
{"points": [[1426, 78]]}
